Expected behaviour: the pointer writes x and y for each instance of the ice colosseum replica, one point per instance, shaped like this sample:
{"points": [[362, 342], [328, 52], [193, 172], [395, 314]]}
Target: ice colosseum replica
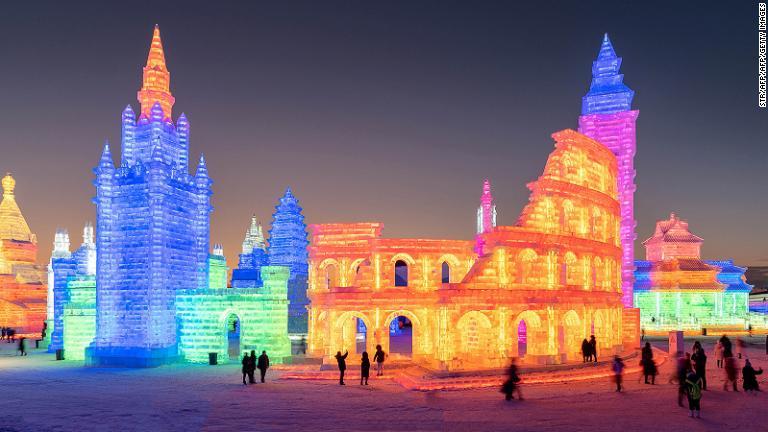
{"points": [[535, 290], [153, 302]]}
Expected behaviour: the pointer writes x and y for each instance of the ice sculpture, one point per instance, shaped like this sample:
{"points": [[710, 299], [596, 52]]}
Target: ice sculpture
{"points": [[676, 290], [288, 247], [607, 117], [152, 228], [535, 289], [22, 282], [252, 259]]}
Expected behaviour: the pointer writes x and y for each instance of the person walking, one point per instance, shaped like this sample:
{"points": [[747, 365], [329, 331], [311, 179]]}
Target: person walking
{"points": [[727, 347], [263, 364], [342, 362], [378, 357], [719, 354], [749, 374], [618, 371], [246, 366], [585, 351], [693, 385], [699, 359], [731, 371], [593, 347], [23, 346], [683, 367], [649, 366], [252, 368], [512, 383], [740, 345], [365, 368]]}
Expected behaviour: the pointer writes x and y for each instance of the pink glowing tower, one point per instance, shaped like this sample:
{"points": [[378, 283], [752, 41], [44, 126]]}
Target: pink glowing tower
{"points": [[486, 214], [607, 117]]}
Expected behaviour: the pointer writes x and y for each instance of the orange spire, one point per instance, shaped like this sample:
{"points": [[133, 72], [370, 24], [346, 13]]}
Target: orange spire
{"points": [[155, 86]]}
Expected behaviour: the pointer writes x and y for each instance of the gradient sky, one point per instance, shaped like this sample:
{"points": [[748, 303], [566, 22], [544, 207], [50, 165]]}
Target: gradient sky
{"points": [[390, 111]]}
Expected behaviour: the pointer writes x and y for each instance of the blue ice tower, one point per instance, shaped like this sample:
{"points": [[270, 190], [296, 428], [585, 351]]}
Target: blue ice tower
{"points": [[152, 229], [288, 247]]}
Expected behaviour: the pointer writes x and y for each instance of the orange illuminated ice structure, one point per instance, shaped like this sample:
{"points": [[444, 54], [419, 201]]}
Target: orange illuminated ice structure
{"points": [[535, 290], [156, 84], [23, 291]]}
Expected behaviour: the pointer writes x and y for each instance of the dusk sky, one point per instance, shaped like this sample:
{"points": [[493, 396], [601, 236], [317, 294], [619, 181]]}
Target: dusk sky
{"points": [[389, 111]]}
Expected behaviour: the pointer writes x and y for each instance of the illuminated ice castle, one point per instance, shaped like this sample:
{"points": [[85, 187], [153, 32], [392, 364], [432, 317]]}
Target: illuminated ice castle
{"points": [[607, 117], [676, 290], [159, 295], [22, 282], [72, 294], [152, 228]]}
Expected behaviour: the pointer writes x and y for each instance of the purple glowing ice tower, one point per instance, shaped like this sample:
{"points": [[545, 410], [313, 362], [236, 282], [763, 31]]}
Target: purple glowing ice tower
{"points": [[607, 117]]}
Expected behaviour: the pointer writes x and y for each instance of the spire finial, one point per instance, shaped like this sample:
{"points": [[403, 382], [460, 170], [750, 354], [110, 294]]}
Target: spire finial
{"points": [[156, 82], [106, 157], [9, 184]]}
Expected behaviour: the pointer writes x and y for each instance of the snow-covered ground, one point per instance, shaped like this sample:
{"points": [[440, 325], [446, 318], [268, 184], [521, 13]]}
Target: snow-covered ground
{"points": [[40, 394]]}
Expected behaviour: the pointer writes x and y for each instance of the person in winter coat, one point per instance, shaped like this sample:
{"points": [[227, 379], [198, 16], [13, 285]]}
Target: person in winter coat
{"points": [[731, 370], [750, 377], [22, 346], [252, 367], [365, 368], [727, 346], [683, 368], [618, 372], [593, 347], [585, 350], [263, 364], [342, 362], [740, 345], [512, 383], [693, 391], [699, 359], [379, 357], [649, 366], [246, 366], [719, 354]]}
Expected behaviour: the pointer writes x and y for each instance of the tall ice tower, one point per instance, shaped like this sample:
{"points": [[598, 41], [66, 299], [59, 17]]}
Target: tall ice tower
{"points": [[607, 116], [152, 229]]}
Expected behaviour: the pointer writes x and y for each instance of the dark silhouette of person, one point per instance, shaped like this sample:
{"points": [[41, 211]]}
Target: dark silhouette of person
{"points": [[246, 366], [727, 346], [23, 346], [512, 382], [750, 377], [618, 372], [44, 331], [252, 367], [699, 359], [585, 351], [342, 361], [4, 331], [379, 357], [263, 364], [649, 366], [693, 385], [731, 372], [593, 347], [365, 368], [683, 367], [696, 346]]}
